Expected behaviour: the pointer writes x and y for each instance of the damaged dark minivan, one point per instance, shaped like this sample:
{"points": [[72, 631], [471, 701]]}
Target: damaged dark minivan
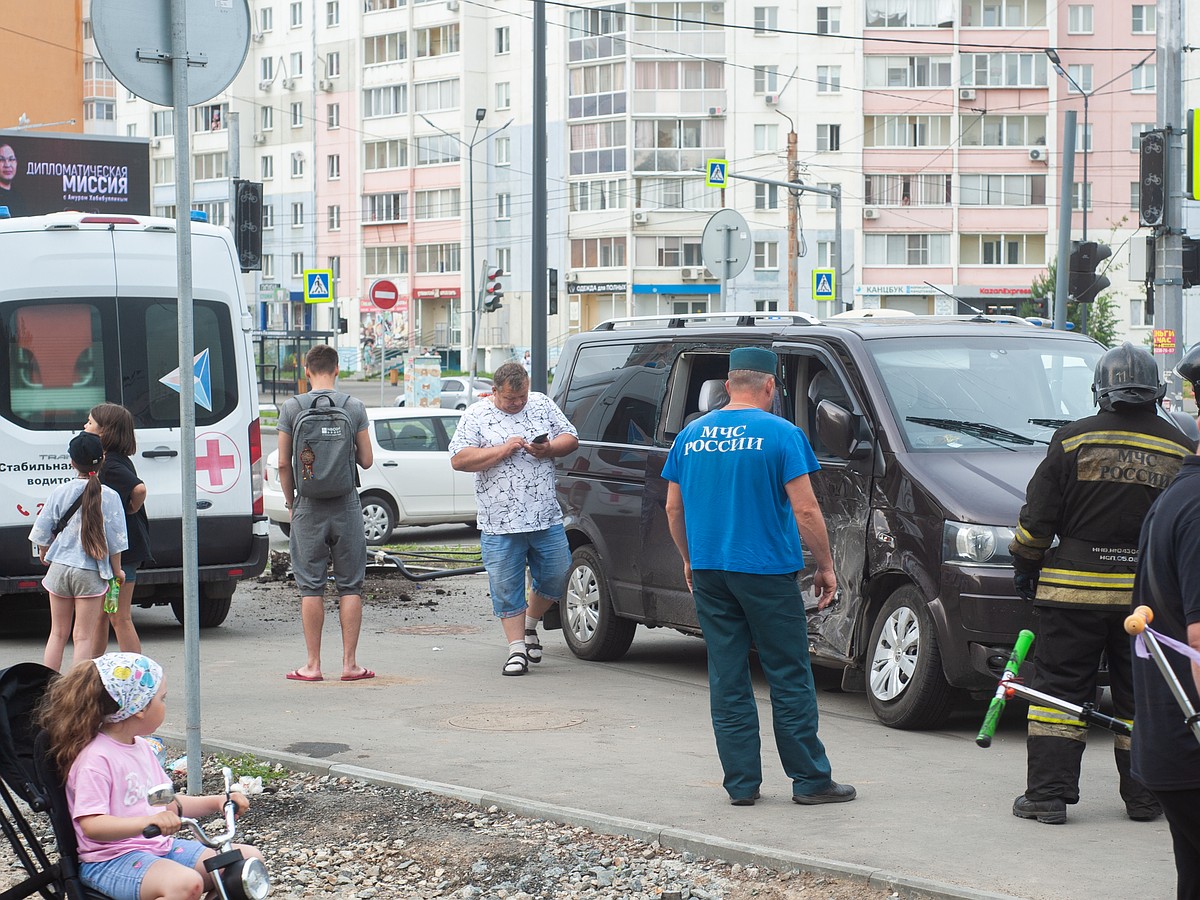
{"points": [[927, 430]]}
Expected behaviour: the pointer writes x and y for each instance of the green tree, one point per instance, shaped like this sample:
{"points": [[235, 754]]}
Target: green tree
{"points": [[1101, 317]]}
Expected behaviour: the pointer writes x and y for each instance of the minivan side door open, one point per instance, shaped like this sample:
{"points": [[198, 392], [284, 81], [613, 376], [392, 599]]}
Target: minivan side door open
{"points": [[809, 376]]}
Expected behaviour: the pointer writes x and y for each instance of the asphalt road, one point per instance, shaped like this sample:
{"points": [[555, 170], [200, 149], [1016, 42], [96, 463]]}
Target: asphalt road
{"points": [[631, 740]]}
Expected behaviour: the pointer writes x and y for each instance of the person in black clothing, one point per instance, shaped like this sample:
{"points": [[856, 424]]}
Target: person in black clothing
{"points": [[113, 424], [1092, 491], [1166, 755]]}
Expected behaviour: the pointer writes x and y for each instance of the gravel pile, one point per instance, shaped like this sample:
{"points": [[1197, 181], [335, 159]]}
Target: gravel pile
{"points": [[362, 841]]}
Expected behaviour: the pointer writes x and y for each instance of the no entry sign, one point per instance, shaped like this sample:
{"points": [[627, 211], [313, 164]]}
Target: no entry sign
{"points": [[384, 294]]}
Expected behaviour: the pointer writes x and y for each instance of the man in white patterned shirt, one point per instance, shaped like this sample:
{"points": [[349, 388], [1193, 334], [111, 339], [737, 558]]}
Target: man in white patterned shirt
{"points": [[510, 441]]}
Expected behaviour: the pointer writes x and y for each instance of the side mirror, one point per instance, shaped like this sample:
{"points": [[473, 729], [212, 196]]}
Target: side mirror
{"points": [[838, 430], [161, 794]]}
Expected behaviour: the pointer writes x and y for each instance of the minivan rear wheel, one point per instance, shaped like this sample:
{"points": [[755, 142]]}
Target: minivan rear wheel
{"points": [[592, 628], [216, 598], [905, 684]]}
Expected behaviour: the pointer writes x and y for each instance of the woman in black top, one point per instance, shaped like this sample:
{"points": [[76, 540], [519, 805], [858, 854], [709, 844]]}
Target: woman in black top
{"points": [[113, 424]]}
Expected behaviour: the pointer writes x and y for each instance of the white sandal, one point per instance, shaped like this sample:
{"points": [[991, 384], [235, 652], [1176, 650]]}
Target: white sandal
{"points": [[518, 664]]}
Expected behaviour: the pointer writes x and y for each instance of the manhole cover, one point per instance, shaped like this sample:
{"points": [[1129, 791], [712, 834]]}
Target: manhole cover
{"points": [[317, 749], [436, 629], [515, 720]]}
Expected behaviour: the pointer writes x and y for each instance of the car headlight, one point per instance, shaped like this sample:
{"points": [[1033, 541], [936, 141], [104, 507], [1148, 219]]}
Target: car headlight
{"points": [[964, 543]]}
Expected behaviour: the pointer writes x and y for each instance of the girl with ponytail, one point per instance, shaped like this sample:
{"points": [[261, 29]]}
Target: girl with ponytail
{"points": [[80, 533]]}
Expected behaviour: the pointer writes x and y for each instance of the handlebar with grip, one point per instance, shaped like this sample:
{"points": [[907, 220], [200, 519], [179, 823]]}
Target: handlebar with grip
{"points": [[1136, 622], [151, 831], [996, 707]]}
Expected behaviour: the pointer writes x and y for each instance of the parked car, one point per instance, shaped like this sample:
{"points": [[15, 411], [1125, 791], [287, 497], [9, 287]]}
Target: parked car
{"points": [[927, 430], [454, 392], [411, 482]]}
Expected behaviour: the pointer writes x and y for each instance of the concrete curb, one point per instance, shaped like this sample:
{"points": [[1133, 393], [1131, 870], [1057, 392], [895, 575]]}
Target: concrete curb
{"points": [[677, 839]]}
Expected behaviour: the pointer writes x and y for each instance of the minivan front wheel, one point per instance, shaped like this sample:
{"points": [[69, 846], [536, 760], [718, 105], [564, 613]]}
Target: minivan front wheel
{"points": [[905, 684], [592, 628]]}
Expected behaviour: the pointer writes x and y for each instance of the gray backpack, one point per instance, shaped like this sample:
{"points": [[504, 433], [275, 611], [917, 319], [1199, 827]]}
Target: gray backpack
{"points": [[323, 452]]}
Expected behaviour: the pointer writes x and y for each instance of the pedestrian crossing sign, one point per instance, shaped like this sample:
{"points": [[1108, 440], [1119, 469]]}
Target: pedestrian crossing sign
{"points": [[716, 173], [318, 285], [824, 284]]}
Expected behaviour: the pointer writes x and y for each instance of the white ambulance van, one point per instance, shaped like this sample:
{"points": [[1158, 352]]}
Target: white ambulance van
{"points": [[88, 314]]}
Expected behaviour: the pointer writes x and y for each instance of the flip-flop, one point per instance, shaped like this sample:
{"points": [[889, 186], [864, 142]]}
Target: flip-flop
{"points": [[361, 676], [295, 675]]}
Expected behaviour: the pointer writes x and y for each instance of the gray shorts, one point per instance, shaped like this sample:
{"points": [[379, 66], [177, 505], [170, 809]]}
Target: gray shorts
{"points": [[325, 531], [71, 581]]}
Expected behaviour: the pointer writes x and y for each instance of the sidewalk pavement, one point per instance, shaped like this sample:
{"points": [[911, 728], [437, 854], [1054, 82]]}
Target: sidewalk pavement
{"points": [[627, 747]]}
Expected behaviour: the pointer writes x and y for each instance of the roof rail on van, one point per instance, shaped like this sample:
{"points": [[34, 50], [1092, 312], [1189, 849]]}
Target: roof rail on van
{"points": [[738, 320]]}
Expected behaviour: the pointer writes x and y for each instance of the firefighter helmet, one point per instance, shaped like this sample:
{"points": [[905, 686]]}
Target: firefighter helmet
{"points": [[1126, 378], [1189, 367]]}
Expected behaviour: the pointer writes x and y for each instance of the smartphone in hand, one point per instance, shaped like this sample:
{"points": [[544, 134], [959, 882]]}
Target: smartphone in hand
{"points": [[541, 438]]}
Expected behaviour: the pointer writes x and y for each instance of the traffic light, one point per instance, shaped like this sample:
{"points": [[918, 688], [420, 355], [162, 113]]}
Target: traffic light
{"points": [[247, 224], [342, 325], [493, 290], [1191, 262], [552, 294], [1085, 284]]}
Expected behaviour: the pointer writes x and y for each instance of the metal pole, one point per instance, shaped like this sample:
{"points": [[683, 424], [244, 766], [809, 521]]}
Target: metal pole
{"points": [[793, 299], [187, 395], [1086, 193], [473, 365], [728, 245], [1063, 273], [538, 311], [1169, 313], [837, 249]]}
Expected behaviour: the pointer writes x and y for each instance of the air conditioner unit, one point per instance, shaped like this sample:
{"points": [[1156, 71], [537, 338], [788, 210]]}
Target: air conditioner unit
{"points": [[1037, 154], [260, 138], [297, 154], [716, 111], [156, 143], [289, 83], [640, 217], [571, 278], [264, 85], [771, 99], [452, 5], [325, 84], [870, 213], [966, 93], [691, 273], [257, 36]]}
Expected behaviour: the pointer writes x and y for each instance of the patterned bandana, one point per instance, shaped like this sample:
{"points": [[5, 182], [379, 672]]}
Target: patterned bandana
{"points": [[131, 679]]}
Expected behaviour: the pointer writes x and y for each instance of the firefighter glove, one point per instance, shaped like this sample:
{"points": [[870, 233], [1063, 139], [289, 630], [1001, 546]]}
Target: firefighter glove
{"points": [[1026, 584]]}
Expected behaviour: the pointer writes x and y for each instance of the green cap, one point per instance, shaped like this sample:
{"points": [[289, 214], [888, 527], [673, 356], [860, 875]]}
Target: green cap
{"points": [[755, 359]]}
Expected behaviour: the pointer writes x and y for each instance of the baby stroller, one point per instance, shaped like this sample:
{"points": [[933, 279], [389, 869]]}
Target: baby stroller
{"points": [[27, 775]]}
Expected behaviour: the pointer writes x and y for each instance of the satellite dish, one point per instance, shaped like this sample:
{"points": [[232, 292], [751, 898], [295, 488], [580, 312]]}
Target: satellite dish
{"points": [[134, 40]]}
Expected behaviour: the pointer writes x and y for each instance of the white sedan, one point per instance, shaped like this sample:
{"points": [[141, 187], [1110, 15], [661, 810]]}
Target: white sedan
{"points": [[411, 482]]}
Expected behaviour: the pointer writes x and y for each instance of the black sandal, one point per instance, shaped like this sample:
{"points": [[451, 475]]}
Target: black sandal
{"points": [[518, 664], [533, 646]]}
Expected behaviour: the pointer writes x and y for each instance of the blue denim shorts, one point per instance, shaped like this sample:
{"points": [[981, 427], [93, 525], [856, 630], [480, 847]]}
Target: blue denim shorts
{"points": [[505, 556], [121, 878], [130, 570]]}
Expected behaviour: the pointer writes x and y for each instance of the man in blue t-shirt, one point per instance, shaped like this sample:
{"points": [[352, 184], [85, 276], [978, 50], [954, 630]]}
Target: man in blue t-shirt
{"points": [[738, 503]]}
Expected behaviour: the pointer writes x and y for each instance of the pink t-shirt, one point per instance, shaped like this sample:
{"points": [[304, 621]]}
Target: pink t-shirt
{"points": [[111, 778]]}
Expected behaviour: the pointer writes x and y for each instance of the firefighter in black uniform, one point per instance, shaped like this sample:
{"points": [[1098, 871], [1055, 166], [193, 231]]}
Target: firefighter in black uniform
{"points": [[1092, 491]]}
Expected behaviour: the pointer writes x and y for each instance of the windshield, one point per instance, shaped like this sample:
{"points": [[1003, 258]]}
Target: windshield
{"points": [[985, 392]]}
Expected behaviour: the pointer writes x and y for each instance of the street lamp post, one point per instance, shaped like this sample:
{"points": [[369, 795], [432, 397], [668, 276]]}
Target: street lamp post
{"points": [[480, 113], [1086, 193]]}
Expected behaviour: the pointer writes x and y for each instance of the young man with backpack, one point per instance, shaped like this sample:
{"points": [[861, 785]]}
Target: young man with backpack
{"points": [[322, 434]]}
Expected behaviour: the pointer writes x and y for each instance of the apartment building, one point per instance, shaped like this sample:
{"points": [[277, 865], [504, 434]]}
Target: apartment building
{"points": [[393, 138]]}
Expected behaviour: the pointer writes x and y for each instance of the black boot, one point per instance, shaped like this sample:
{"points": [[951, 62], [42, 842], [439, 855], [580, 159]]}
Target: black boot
{"points": [[1140, 804]]}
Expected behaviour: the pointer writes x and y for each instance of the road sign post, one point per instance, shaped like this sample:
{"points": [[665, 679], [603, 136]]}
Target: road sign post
{"points": [[725, 247], [824, 284]]}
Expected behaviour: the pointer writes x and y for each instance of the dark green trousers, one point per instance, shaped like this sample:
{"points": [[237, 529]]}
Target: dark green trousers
{"points": [[736, 609]]}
